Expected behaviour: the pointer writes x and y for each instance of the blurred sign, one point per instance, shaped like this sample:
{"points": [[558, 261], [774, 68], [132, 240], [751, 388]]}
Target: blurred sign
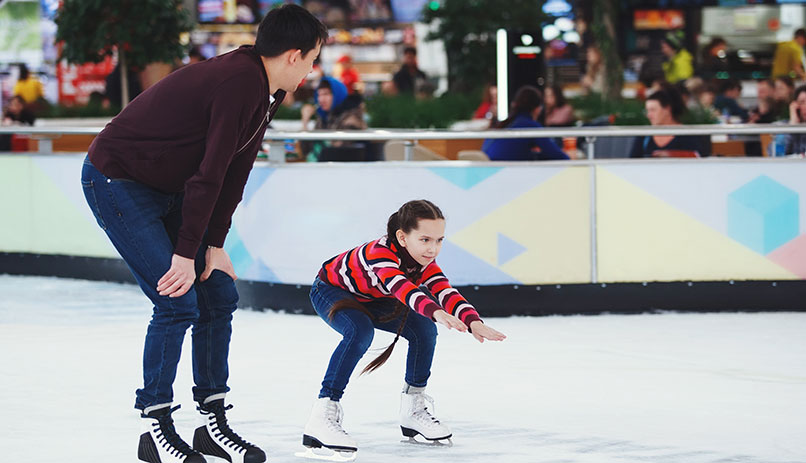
{"points": [[78, 81], [658, 19]]}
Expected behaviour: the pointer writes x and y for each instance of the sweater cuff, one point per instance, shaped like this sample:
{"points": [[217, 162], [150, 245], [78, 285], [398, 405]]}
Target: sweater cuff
{"points": [[470, 318], [216, 236], [187, 248], [429, 310]]}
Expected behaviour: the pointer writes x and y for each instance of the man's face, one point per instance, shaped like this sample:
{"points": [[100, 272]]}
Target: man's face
{"points": [[302, 66]]}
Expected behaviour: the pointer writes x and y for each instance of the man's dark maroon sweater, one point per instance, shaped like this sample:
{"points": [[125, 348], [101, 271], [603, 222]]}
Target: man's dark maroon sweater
{"points": [[196, 131]]}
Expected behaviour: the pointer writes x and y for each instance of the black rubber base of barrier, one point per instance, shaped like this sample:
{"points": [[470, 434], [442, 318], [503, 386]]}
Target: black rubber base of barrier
{"points": [[492, 301]]}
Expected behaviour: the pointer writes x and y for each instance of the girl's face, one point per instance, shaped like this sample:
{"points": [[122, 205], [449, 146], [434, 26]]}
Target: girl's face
{"points": [[425, 241]]}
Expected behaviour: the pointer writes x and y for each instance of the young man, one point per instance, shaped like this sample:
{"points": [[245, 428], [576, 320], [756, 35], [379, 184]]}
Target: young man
{"points": [[163, 180], [407, 78], [788, 60]]}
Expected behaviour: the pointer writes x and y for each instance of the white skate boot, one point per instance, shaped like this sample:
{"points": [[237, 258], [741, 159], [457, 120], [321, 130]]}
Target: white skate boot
{"points": [[214, 436], [324, 438], [159, 442], [416, 418]]}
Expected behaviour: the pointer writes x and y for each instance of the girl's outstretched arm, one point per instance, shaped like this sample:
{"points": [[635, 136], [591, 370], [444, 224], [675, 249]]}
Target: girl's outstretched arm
{"points": [[481, 332], [444, 318]]}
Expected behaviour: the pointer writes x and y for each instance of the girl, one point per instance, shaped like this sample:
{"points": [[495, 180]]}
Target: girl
{"points": [[377, 285]]}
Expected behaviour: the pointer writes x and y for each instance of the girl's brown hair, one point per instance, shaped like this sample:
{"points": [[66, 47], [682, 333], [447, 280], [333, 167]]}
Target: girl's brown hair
{"points": [[406, 219]]}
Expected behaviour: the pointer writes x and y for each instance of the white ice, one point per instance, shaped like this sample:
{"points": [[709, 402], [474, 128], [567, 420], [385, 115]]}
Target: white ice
{"points": [[691, 388]]}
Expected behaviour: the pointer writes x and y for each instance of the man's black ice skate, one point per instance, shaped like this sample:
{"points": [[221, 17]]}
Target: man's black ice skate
{"points": [[216, 438], [159, 442]]}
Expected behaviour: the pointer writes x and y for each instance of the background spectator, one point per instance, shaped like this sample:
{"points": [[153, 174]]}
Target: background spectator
{"points": [[28, 87], [488, 109], [349, 75], [783, 91], [765, 110], [15, 113], [556, 111], [334, 110], [796, 143], [523, 114], [593, 80], [678, 65], [714, 58], [409, 78], [788, 58], [665, 107], [727, 101]]}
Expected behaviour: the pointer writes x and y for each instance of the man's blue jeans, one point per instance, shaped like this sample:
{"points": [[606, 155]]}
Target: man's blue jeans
{"points": [[142, 224], [358, 330]]}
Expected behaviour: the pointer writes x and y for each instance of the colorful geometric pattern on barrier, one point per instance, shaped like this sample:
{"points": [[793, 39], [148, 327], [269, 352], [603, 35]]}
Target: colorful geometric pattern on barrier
{"points": [[631, 245], [465, 178], [763, 214], [529, 224], [539, 235]]}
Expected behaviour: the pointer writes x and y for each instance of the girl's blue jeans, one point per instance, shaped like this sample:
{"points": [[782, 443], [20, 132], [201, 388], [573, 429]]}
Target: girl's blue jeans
{"points": [[142, 224], [358, 330]]}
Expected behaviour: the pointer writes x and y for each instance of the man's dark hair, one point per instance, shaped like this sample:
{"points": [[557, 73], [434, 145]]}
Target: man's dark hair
{"points": [[410, 50], [669, 97], [800, 33], [289, 27]]}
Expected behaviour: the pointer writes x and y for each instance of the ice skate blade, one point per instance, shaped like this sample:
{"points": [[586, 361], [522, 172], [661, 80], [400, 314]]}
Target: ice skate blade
{"points": [[446, 442], [327, 454]]}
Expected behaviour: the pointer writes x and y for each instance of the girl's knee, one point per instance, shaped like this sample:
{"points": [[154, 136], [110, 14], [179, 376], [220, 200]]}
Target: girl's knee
{"points": [[423, 331], [359, 332]]}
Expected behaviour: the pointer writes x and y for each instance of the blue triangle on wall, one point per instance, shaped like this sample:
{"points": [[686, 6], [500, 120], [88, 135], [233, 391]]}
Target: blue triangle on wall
{"points": [[465, 177], [508, 249]]}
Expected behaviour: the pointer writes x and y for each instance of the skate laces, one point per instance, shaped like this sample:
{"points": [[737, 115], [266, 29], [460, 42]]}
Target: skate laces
{"points": [[167, 437], [221, 428], [422, 410], [334, 415]]}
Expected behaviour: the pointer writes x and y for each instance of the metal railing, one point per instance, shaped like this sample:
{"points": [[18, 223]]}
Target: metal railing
{"points": [[45, 135]]}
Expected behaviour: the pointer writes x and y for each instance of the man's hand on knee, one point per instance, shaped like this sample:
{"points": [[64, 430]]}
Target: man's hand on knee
{"points": [[217, 259], [179, 278]]}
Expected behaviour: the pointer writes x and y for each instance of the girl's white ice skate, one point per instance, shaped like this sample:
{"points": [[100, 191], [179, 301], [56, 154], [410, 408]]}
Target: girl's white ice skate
{"points": [[416, 419], [324, 438]]}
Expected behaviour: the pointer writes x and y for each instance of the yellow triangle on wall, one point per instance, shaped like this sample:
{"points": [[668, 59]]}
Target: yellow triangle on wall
{"points": [[551, 221], [642, 238]]}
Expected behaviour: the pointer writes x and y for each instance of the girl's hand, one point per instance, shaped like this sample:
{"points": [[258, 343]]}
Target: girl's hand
{"points": [[449, 320], [481, 332]]}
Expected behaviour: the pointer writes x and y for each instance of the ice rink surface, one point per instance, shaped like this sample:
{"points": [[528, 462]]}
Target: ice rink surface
{"points": [[693, 388]]}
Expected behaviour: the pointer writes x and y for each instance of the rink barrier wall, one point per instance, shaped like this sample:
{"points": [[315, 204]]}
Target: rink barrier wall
{"points": [[491, 300], [509, 225]]}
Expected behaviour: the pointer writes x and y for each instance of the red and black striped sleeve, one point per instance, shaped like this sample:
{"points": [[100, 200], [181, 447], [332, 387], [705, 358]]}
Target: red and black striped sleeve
{"points": [[385, 264], [448, 296]]}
